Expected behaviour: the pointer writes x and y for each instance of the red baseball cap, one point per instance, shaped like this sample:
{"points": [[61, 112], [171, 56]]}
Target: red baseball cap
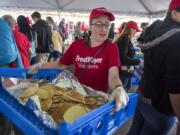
{"points": [[174, 4], [96, 12], [29, 21], [132, 24]]}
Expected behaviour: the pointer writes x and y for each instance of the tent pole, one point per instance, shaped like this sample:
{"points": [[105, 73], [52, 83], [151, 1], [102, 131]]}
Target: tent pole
{"points": [[68, 3], [145, 6], [59, 9]]}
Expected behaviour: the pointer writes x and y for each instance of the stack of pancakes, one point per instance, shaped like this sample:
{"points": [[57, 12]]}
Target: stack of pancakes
{"points": [[60, 103]]}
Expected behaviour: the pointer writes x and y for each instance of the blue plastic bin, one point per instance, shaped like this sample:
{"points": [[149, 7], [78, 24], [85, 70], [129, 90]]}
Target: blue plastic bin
{"points": [[136, 77], [134, 80], [138, 53], [100, 121]]}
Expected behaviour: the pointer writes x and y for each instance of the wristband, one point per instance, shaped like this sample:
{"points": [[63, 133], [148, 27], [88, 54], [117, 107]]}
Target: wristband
{"points": [[118, 85]]}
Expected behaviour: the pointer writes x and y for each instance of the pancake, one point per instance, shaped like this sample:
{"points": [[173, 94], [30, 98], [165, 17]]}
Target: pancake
{"points": [[29, 92], [74, 96], [74, 112]]}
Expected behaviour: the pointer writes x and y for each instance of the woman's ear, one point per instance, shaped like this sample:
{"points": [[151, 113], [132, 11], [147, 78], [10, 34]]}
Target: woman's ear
{"points": [[174, 15]]}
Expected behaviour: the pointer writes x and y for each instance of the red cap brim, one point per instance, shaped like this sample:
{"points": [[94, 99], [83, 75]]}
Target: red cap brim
{"points": [[138, 30], [109, 14]]}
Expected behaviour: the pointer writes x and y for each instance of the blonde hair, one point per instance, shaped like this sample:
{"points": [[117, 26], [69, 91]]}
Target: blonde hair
{"points": [[125, 32]]}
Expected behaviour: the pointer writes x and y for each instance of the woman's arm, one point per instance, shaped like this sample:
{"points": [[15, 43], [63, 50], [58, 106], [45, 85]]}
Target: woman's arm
{"points": [[53, 65], [118, 92], [113, 77], [49, 65]]}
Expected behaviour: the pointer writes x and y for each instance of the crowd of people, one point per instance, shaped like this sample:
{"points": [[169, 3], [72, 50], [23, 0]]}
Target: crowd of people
{"points": [[97, 55], [38, 42]]}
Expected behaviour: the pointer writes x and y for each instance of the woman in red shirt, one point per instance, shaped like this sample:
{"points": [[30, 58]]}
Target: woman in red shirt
{"points": [[95, 59]]}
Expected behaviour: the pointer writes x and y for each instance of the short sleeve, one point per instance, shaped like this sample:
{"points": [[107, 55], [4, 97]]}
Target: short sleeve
{"points": [[172, 74], [67, 58], [114, 56], [27, 42]]}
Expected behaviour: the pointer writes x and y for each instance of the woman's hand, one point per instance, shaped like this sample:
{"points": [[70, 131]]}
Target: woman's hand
{"points": [[34, 68], [121, 98]]}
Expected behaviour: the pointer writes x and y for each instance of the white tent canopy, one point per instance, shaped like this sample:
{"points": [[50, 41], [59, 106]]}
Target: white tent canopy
{"points": [[144, 7]]}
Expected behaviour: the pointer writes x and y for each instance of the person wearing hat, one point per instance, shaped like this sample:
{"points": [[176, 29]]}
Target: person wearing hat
{"points": [[96, 59], [159, 90], [127, 53]]}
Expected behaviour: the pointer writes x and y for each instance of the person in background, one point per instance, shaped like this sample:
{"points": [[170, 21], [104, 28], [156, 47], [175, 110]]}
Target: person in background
{"points": [[86, 33], [159, 90], [144, 25], [62, 29], [9, 56], [44, 37], [127, 53], [25, 28], [51, 22], [94, 59], [121, 27], [111, 32], [56, 40], [22, 41], [77, 31]]}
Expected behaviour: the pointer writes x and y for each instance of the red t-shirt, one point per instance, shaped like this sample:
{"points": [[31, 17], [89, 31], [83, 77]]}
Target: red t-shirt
{"points": [[23, 45], [96, 74]]}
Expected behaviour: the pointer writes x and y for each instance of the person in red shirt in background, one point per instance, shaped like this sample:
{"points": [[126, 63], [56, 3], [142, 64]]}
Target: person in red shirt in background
{"points": [[22, 41], [96, 59]]}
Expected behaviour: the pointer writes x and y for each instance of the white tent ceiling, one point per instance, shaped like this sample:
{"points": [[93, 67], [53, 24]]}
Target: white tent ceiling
{"points": [[146, 7]]}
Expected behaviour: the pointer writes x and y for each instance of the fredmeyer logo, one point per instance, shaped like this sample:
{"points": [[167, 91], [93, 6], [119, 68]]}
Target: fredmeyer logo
{"points": [[82, 61]]}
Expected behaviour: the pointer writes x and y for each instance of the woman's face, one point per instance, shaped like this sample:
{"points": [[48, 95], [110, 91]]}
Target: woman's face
{"points": [[100, 28]]}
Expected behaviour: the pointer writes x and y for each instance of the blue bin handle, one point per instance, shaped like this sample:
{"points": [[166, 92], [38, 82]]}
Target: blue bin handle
{"points": [[13, 72], [23, 73]]}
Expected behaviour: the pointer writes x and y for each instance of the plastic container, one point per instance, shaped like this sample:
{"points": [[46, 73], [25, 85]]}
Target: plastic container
{"points": [[134, 80], [138, 53], [137, 49], [136, 77], [100, 121]]}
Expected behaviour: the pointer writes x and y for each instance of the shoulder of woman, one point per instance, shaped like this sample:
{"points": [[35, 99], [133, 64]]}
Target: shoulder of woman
{"points": [[125, 39], [78, 42], [111, 44]]}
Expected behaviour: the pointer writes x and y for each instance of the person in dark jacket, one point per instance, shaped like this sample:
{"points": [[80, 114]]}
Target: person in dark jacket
{"points": [[111, 32], [44, 37], [127, 53], [159, 90]]}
